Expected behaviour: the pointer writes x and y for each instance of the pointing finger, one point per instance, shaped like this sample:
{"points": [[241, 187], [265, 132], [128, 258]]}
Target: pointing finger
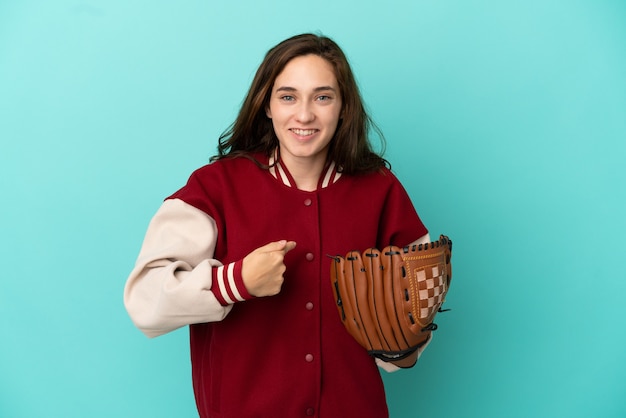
{"points": [[290, 245]]}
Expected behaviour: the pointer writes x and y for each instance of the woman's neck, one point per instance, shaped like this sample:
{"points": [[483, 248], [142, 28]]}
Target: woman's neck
{"points": [[305, 171]]}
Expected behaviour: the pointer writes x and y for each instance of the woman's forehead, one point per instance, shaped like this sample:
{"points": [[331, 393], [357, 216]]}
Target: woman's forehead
{"points": [[307, 72]]}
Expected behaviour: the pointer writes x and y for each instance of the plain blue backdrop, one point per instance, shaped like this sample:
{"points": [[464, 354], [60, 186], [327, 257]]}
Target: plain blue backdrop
{"points": [[506, 122]]}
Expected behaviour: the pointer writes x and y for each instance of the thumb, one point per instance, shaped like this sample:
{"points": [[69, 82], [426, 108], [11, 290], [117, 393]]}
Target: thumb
{"points": [[273, 246]]}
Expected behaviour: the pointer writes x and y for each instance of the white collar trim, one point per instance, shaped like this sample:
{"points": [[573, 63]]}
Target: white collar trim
{"points": [[330, 174]]}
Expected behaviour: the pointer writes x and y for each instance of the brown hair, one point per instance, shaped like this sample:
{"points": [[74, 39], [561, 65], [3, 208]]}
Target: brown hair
{"points": [[252, 131]]}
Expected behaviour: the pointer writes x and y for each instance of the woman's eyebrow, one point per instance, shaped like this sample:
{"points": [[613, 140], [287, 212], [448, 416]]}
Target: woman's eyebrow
{"points": [[324, 88], [316, 89]]}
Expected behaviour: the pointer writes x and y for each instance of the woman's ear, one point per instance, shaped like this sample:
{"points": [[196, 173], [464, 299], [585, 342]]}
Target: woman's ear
{"points": [[268, 112]]}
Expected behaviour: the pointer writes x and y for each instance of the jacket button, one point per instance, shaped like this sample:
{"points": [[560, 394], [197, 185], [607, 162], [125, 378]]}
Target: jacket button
{"points": [[309, 306], [310, 412], [310, 256], [307, 202], [308, 358]]}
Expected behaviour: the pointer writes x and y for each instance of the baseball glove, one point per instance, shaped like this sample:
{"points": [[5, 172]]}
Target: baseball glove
{"points": [[387, 299]]}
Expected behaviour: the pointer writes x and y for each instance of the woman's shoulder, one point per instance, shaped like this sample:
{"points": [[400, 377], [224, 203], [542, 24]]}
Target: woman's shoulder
{"points": [[380, 176], [217, 180], [231, 164]]}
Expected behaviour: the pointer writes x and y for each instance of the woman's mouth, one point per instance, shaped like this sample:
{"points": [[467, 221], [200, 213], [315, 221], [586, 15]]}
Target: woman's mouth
{"points": [[304, 132]]}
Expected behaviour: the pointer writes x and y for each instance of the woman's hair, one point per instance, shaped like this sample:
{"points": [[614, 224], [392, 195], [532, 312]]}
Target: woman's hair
{"points": [[253, 132]]}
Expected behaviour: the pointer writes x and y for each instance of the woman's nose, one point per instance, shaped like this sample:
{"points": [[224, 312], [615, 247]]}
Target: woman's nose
{"points": [[305, 113]]}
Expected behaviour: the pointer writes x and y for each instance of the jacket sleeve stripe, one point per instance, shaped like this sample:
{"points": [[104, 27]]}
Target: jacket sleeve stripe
{"points": [[231, 283], [228, 285], [221, 292]]}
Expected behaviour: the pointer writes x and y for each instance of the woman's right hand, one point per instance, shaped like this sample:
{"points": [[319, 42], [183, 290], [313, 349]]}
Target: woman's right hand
{"points": [[262, 270]]}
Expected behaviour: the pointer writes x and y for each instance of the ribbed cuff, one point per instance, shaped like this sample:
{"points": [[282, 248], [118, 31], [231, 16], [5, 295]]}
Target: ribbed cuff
{"points": [[227, 284]]}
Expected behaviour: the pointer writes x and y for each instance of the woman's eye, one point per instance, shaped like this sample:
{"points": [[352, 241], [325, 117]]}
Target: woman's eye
{"points": [[324, 98], [287, 98]]}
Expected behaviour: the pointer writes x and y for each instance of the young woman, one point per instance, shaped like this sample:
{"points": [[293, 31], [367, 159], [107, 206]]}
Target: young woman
{"points": [[240, 252]]}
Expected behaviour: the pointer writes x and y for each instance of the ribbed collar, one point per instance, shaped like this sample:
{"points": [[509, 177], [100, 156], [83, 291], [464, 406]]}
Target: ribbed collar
{"points": [[329, 175]]}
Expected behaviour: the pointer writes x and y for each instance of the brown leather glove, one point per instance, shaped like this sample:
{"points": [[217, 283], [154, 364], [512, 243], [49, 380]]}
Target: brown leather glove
{"points": [[387, 299]]}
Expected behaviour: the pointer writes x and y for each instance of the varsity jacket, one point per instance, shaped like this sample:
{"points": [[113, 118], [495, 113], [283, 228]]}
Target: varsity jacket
{"points": [[281, 356]]}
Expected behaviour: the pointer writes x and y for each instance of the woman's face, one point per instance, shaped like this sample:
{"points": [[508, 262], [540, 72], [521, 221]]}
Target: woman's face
{"points": [[305, 108]]}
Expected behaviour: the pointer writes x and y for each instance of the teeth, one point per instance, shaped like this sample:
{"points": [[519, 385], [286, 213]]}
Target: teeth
{"points": [[303, 132]]}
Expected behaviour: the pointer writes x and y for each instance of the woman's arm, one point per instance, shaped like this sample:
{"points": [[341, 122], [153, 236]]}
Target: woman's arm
{"points": [[176, 282]]}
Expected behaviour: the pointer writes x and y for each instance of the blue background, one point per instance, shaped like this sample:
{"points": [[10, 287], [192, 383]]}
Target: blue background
{"points": [[506, 121]]}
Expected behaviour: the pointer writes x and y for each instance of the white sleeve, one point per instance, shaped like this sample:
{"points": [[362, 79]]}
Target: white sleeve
{"points": [[422, 240], [390, 367], [170, 286]]}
